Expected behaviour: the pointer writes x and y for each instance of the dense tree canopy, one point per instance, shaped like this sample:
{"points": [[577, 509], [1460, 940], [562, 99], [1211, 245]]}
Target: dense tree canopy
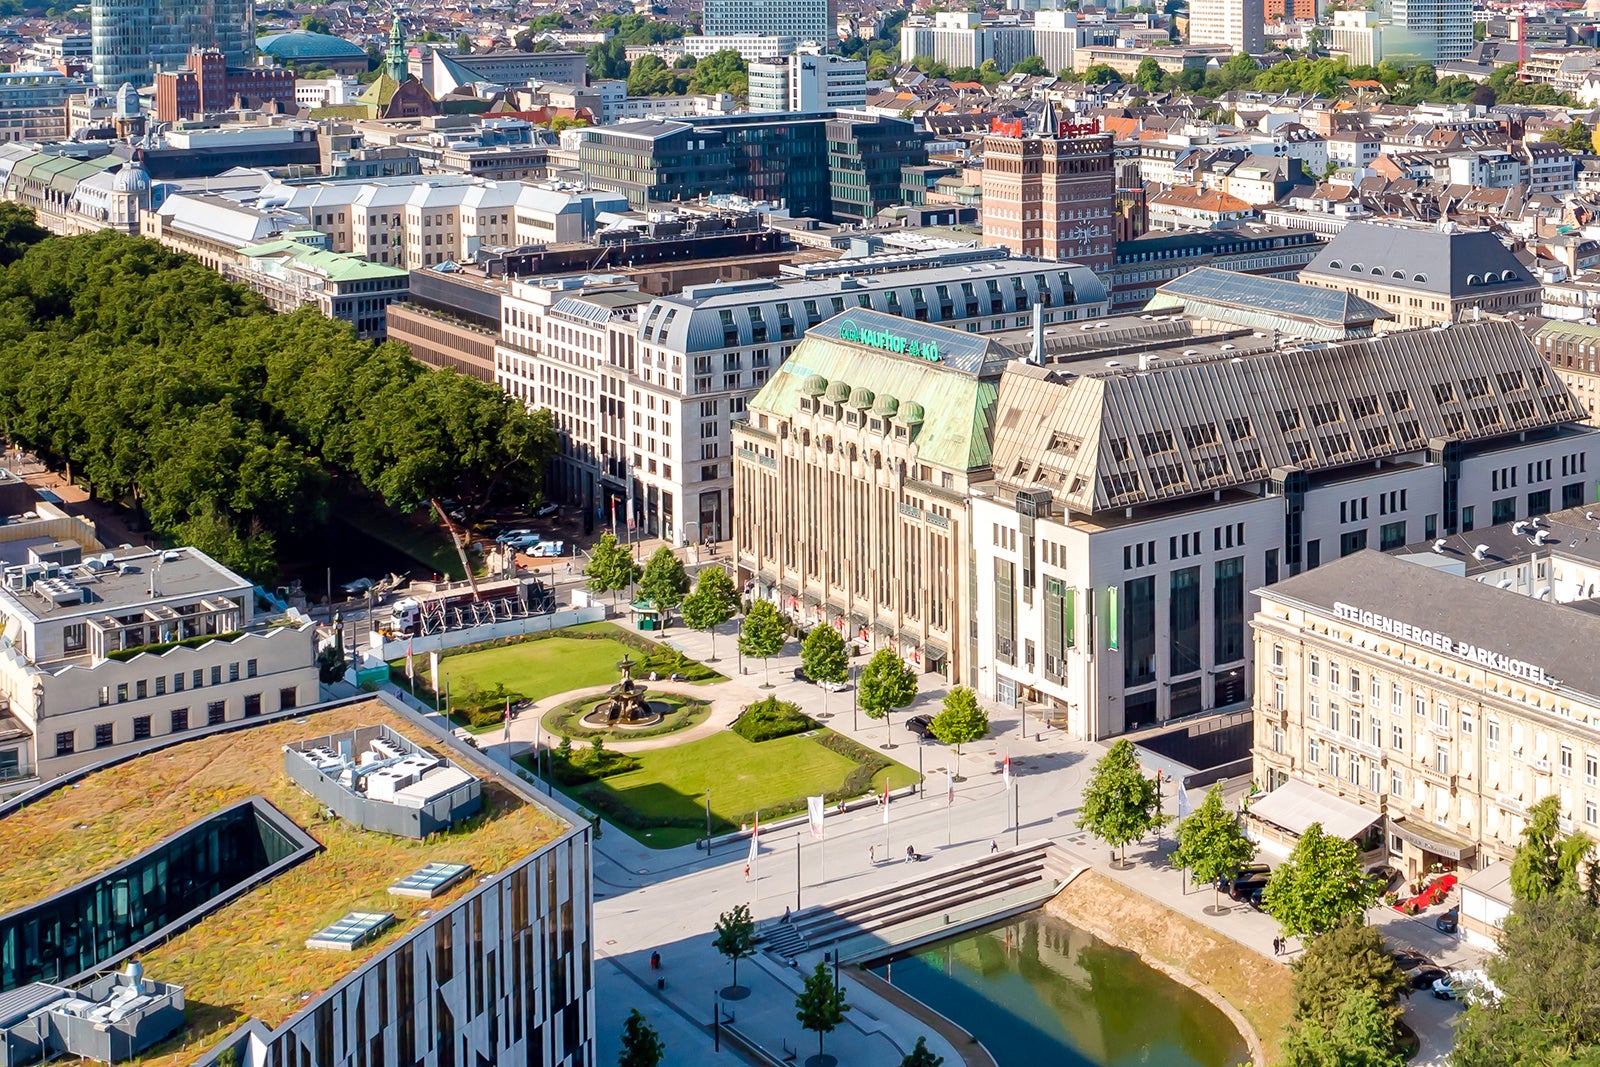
{"points": [[166, 387], [721, 72]]}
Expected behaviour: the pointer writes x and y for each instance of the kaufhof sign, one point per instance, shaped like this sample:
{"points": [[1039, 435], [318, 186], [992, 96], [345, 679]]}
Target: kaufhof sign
{"points": [[889, 342], [1443, 642]]}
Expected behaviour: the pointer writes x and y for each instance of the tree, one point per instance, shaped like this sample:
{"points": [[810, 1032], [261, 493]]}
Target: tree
{"points": [[1350, 957], [824, 659], [961, 721], [735, 932], [609, 61], [1319, 886], [921, 1056], [1547, 1010], [19, 231], [886, 683], [463, 42], [664, 582], [1361, 1035], [650, 76], [721, 72], [1149, 75], [762, 635], [1577, 137], [1211, 843], [312, 24], [611, 568], [1101, 74], [1314, 39], [641, 1045], [820, 1006], [1547, 863], [1120, 804], [1030, 65], [712, 603]]}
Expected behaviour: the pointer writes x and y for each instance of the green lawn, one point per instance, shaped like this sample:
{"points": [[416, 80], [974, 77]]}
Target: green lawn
{"points": [[771, 776]]}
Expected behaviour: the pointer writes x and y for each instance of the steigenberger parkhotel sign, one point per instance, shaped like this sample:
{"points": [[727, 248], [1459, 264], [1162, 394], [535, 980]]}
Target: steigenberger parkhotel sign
{"points": [[1442, 642]]}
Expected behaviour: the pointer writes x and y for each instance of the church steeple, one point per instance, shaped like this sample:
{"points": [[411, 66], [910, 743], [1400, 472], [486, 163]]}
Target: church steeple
{"points": [[395, 60]]}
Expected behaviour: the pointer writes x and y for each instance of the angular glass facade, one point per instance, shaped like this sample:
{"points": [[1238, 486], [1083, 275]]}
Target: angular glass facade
{"points": [[84, 926], [132, 39]]}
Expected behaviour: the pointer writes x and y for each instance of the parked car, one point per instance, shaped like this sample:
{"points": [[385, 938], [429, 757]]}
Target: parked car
{"points": [[522, 542], [506, 536], [1423, 976], [832, 687], [1446, 923], [921, 725], [1406, 959], [548, 548], [1251, 879], [547, 509], [1384, 877], [1453, 986]]}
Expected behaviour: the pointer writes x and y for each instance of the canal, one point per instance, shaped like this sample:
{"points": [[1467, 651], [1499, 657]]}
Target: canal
{"points": [[1035, 989]]}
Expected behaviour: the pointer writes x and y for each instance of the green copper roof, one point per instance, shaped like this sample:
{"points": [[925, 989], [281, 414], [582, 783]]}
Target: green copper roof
{"points": [[956, 404], [336, 266]]}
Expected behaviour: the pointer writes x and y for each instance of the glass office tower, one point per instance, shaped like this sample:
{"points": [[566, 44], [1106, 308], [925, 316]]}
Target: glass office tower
{"points": [[132, 39]]}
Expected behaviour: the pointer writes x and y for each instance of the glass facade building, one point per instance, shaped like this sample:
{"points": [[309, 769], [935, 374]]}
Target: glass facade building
{"points": [[132, 39]]}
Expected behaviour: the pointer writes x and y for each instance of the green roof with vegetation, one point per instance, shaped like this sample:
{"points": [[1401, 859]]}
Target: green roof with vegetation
{"points": [[248, 959]]}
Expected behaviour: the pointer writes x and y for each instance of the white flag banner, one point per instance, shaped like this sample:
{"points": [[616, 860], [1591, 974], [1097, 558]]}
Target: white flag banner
{"points": [[949, 787], [433, 669], [410, 677], [1005, 769], [886, 803], [1184, 807], [755, 834], [814, 814]]}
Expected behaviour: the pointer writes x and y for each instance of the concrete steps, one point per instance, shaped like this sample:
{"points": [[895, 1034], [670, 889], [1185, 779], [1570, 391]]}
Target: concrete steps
{"points": [[1023, 873]]}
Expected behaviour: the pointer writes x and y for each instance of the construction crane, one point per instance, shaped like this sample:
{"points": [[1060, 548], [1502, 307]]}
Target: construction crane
{"points": [[459, 539]]}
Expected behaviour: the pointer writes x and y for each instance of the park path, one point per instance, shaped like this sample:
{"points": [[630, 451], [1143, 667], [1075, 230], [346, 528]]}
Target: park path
{"points": [[727, 700]]}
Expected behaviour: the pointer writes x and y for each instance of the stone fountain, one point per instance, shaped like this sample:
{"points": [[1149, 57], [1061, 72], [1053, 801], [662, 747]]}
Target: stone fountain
{"points": [[624, 706]]}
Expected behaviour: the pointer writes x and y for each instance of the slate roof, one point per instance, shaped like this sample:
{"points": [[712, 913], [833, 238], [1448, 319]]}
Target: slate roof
{"points": [[1125, 437], [1423, 258]]}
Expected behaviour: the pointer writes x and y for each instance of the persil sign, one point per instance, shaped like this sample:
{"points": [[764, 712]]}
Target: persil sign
{"points": [[1439, 642]]}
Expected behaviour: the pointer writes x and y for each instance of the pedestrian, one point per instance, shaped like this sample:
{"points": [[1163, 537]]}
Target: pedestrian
{"points": [[911, 853], [786, 913], [569, 566], [747, 872], [655, 961], [872, 855], [1277, 946], [994, 846]]}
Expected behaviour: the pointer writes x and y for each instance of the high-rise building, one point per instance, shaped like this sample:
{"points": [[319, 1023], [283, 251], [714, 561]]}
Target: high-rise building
{"points": [[1051, 194], [1283, 10], [132, 39], [807, 81], [1235, 23], [805, 20], [1428, 30], [209, 85]]}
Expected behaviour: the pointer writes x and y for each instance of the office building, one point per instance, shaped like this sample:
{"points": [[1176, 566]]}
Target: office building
{"points": [[678, 370], [807, 81], [105, 645], [852, 475], [1432, 708], [336, 843], [751, 46], [132, 39], [1427, 31], [1144, 264], [1237, 24], [1141, 490], [441, 73], [1425, 275], [1051, 193], [342, 285], [806, 21], [963, 39], [867, 162], [33, 107], [208, 85]]}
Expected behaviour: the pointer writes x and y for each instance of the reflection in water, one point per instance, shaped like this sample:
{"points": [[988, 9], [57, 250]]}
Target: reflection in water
{"points": [[1035, 989]]}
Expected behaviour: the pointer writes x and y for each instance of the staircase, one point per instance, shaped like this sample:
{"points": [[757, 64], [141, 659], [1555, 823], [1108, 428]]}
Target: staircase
{"points": [[999, 883]]}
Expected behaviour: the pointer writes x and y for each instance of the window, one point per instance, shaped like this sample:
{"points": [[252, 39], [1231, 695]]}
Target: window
{"points": [[1397, 784], [141, 727], [1421, 703], [1333, 675], [122, 692], [1333, 715], [1442, 715], [75, 638], [216, 713], [64, 743], [252, 705], [199, 677], [1397, 701], [287, 697], [216, 674], [233, 672], [1591, 769], [1278, 695], [1355, 682], [1441, 759], [1466, 723], [103, 735], [1277, 740], [1313, 751], [1590, 814], [180, 720], [1277, 657], [1566, 761], [249, 668], [1493, 740], [1314, 670], [1314, 707], [1397, 737]]}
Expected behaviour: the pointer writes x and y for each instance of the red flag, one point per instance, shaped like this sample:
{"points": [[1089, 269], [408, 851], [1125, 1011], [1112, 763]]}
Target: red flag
{"points": [[1005, 769]]}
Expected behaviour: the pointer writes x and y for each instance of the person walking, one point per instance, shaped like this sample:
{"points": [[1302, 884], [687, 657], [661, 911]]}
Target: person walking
{"points": [[872, 855], [994, 846], [911, 853]]}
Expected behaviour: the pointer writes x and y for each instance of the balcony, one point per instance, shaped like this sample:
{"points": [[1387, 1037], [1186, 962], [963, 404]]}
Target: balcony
{"points": [[1510, 803], [1542, 766], [1437, 777]]}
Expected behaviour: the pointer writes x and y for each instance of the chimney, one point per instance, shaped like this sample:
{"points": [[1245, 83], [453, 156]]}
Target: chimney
{"points": [[1036, 356]]}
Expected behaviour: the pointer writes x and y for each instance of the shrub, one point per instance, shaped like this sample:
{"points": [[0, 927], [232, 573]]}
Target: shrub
{"points": [[591, 765], [770, 718]]}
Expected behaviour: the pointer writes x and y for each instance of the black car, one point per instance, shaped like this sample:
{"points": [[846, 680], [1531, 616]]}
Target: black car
{"points": [[1424, 977], [1384, 878], [1446, 923], [1405, 959], [921, 725], [1250, 879]]}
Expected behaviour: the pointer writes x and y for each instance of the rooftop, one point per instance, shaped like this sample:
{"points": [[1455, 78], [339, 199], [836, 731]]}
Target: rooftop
{"points": [[1450, 262], [1532, 641], [111, 581], [1305, 311], [301, 44], [249, 958]]}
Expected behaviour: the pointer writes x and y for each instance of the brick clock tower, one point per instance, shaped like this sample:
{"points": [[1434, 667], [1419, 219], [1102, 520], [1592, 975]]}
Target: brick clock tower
{"points": [[1050, 191]]}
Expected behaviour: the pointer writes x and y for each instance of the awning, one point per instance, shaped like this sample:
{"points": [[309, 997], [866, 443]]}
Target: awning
{"points": [[1295, 805], [1434, 839]]}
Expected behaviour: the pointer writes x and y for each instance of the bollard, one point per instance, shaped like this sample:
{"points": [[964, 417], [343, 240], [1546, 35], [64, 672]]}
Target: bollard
{"points": [[661, 983]]}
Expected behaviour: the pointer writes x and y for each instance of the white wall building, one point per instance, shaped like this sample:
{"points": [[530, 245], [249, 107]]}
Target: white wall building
{"points": [[807, 81], [749, 45], [804, 20], [1235, 23]]}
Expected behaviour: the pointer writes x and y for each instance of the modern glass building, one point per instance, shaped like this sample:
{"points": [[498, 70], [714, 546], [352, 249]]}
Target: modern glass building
{"points": [[132, 39]]}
